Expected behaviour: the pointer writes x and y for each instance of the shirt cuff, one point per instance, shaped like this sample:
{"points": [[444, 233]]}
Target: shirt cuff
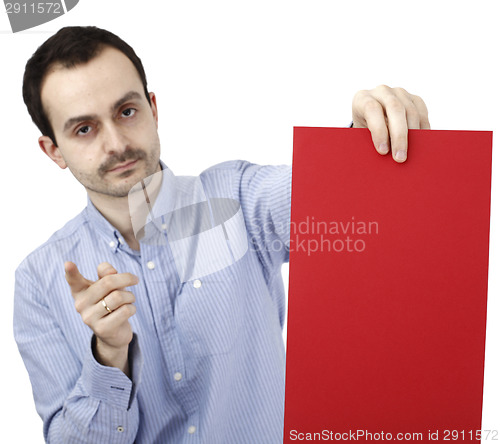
{"points": [[110, 384]]}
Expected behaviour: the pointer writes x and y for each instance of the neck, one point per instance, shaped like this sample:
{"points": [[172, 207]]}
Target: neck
{"points": [[117, 213], [116, 210]]}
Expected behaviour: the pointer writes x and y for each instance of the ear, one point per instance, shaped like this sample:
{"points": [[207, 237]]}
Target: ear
{"points": [[154, 108], [50, 148]]}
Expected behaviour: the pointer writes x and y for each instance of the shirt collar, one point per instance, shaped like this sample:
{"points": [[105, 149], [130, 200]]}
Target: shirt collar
{"points": [[110, 235], [167, 196]]}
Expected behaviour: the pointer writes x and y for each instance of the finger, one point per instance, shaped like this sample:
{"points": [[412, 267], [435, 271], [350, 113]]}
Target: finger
{"points": [[75, 280], [107, 325], [116, 299], [367, 112], [105, 269], [93, 313], [110, 283], [376, 123], [412, 113], [423, 112], [398, 133], [396, 121]]}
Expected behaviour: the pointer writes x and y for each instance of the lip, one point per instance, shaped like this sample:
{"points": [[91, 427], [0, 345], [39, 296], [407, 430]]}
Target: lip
{"points": [[123, 166]]}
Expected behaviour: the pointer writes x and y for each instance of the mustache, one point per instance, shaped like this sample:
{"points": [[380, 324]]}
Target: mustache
{"points": [[130, 154]]}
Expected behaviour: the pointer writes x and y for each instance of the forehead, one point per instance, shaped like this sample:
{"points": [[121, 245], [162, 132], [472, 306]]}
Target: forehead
{"points": [[89, 88]]}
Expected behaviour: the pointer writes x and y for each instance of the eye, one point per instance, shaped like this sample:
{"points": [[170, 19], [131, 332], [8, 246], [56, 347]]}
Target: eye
{"points": [[83, 130], [129, 112]]}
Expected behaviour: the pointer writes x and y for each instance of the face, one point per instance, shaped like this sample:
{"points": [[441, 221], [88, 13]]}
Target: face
{"points": [[104, 126]]}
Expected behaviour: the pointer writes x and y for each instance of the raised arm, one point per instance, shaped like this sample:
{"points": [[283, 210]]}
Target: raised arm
{"points": [[79, 398]]}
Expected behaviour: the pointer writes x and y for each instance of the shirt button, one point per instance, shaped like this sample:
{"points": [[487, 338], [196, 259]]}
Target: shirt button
{"points": [[177, 376], [151, 265], [112, 244], [197, 283], [191, 429], [120, 429], [163, 226]]}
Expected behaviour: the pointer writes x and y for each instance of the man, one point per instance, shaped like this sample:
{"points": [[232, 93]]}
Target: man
{"points": [[149, 337]]}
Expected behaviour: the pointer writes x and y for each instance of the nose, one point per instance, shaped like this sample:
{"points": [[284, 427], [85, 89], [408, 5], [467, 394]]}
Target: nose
{"points": [[114, 140]]}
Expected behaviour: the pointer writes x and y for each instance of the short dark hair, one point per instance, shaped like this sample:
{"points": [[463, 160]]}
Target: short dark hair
{"points": [[70, 46]]}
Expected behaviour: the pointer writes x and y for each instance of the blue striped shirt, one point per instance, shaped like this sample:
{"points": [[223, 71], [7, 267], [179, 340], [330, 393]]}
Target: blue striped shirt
{"points": [[207, 358]]}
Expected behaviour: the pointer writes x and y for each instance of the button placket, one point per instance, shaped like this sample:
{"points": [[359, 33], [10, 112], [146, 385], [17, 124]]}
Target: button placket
{"points": [[159, 269]]}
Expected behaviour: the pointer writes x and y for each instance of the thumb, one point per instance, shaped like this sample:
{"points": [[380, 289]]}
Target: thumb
{"points": [[105, 269], [75, 280]]}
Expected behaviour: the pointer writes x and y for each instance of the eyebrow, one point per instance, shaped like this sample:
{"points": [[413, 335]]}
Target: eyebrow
{"points": [[131, 95]]}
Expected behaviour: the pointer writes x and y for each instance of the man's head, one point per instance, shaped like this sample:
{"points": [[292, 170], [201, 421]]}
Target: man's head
{"points": [[69, 47], [86, 90]]}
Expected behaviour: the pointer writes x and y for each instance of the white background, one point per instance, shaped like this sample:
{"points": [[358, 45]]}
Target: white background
{"points": [[232, 78]]}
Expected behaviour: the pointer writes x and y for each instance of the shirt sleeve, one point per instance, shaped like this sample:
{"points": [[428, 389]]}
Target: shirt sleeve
{"points": [[265, 196], [79, 400]]}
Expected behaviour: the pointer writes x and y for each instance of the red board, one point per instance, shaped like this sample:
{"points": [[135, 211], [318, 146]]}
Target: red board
{"points": [[388, 287]]}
